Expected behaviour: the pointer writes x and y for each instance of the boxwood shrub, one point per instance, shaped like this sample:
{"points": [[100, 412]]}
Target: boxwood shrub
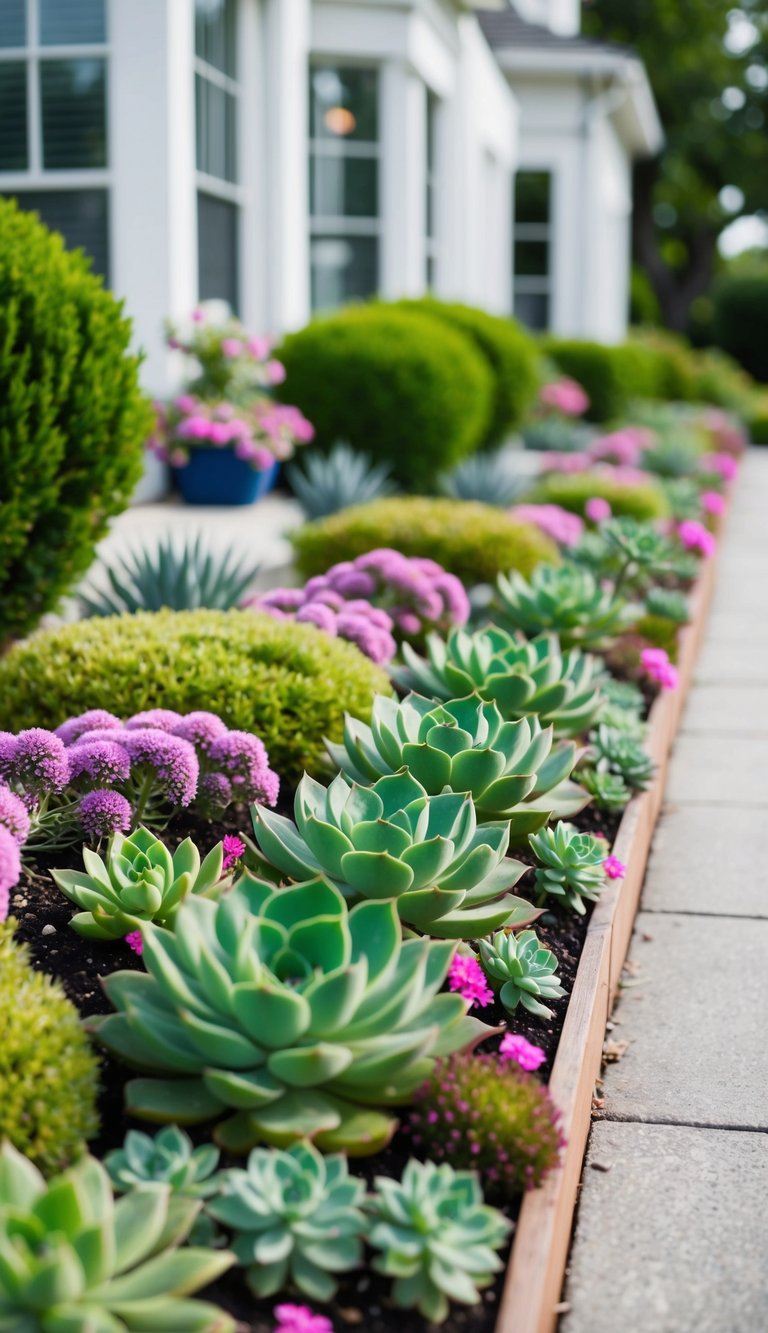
{"points": [[407, 389], [48, 1073], [72, 417], [572, 490], [511, 353], [611, 375], [472, 540], [288, 683], [740, 324]]}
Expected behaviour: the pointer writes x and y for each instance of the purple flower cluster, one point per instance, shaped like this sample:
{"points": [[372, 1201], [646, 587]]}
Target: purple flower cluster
{"points": [[243, 760], [34, 760], [726, 433], [103, 812], [563, 527], [172, 761], [259, 434], [565, 396], [374, 600], [622, 447], [14, 815], [10, 868]]}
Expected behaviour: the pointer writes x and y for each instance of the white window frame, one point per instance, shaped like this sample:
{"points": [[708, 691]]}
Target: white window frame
{"points": [[230, 192], [532, 284], [432, 187]]}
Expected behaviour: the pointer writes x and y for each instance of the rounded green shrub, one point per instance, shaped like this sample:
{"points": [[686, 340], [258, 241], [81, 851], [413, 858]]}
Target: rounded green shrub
{"points": [[740, 323], [598, 370], [511, 353], [675, 363], [758, 426], [72, 418], [721, 381], [48, 1073], [401, 387], [572, 490], [474, 541], [290, 684]]}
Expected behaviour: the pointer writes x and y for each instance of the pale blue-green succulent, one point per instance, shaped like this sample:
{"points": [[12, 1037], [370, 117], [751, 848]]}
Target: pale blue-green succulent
{"points": [[570, 865], [523, 971], [622, 753], [567, 600], [168, 1158]]}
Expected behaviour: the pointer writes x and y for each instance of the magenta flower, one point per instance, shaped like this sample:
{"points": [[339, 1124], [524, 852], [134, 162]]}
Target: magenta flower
{"points": [[275, 372], [614, 868], [527, 1055], [13, 815], [466, 976], [174, 761], [243, 759], [101, 761], [258, 348], [103, 812], [564, 395], [695, 537], [724, 464], [40, 763], [10, 868], [657, 666], [96, 719], [563, 527], [135, 940], [234, 848], [712, 502], [300, 1319], [597, 509]]}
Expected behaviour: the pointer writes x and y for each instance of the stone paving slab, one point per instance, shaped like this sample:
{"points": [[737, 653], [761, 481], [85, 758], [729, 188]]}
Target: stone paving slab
{"points": [[737, 628], [725, 710], [732, 770], [746, 592], [721, 661], [694, 1016], [674, 1238], [703, 860]]}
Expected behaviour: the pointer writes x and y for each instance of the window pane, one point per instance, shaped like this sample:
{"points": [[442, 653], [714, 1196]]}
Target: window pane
{"points": [[532, 309], [72, 22], [82, 217], [217, 256], [344, 186], [532, 196], [216, 130], [344, 268], [73, 96], [344, 104], [13, 115], [531, 259], [13, 29], [216, 34]]}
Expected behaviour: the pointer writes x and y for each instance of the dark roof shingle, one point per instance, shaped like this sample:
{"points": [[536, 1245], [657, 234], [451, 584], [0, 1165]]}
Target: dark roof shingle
{"points": [[505, 28]]}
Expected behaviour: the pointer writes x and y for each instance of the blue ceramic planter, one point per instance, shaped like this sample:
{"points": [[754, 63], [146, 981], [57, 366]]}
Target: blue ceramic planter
{"points": [[218, 477]]}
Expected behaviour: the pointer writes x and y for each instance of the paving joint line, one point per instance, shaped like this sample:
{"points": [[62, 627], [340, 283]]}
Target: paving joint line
{"points": [[681, 1124], [683, 911]]}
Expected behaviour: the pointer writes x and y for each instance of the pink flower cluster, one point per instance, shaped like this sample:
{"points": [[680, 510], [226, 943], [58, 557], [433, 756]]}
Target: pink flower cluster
{"points": [[712, 502], [563, 527], [623, 447], [723, 465], [14, 829], [727, 435], [597, 510], [565, 396], [695, 537], [373, 600], [523, 1052], [614, 868], [657, 666], [260, 434], [466, 976], [300, 1319]]}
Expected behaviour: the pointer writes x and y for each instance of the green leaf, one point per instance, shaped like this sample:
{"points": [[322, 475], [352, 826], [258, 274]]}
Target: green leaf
{"points": [[271, 1014], [245, 1091], [376, 874], [182, 1101], [310, 1066]]}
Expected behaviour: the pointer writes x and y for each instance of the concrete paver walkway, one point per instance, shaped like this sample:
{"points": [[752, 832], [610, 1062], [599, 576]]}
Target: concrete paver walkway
{"points": [[672, 1228]]}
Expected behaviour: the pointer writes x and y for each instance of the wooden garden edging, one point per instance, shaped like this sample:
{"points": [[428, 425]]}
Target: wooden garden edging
{"points": [[542, 1238]]}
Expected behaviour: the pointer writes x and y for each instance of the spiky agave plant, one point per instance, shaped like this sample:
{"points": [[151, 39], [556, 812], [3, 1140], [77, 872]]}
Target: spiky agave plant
{"points": [[282, 1014], [181, 577], [510, 769], [325, 483], [567, 600], [493, 479], [446, 875], [73, 1259], [521, 676]]}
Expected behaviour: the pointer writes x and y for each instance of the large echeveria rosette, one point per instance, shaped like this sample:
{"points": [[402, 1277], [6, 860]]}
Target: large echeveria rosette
{"points": [[447, 875], [282, 1014]]}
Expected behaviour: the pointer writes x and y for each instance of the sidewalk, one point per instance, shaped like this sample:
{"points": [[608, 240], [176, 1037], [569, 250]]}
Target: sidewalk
{"points": [[672, 1228]]}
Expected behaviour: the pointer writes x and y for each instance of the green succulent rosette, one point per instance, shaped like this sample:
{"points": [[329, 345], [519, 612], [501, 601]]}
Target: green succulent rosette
{"points": [[140, 881], [521, 676], [510, 769], [566, 600], [522, 970], [447, 875], [621, 753], [283, 1014], [570, 865]]}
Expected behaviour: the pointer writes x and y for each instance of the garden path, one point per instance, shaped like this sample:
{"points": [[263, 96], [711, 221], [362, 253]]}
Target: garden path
{"points": [[672, 1228]]}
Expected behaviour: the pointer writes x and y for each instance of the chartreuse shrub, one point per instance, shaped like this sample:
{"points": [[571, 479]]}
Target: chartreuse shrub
{"points": [[435, 1236], [75, 1260], [510, 352], [446, 874], [72, 418], [289, 683], [48, 1075], [571, 490], [482, 1113], [471, 540], [282, 1014], [510, 769], [407, 390]]}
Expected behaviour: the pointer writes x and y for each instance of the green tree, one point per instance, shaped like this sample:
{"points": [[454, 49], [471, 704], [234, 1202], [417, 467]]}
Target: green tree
{"points": [[707, 61]]}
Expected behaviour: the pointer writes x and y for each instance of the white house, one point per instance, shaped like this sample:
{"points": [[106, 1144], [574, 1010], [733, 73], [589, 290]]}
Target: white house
{"points": [[288, 155]]}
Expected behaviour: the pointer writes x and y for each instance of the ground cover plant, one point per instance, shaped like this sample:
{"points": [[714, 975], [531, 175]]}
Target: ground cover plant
{"points": [[330, 1002]]}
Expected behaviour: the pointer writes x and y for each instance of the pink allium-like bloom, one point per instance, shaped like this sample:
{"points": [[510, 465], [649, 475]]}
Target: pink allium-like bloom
{"points": [[712, 502], [40, 762], [242, 757], [657, 666], [351, 582], [216, 791], [200, 729], [174, 761], [10, 868], [565, 395], [723, 464], [527, 1055], [135, 940], [374, 640], [554, 521], [234, 848], [597, 509], [160, 719], [198, 315], [101, 761], [13, 815], [258, 348], [96, 719], [695, 537], [614, 868], [103, 812], [231, 347], [7, 752], [318, 614], [300, 1319], [275, 372], [466, 976]]}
